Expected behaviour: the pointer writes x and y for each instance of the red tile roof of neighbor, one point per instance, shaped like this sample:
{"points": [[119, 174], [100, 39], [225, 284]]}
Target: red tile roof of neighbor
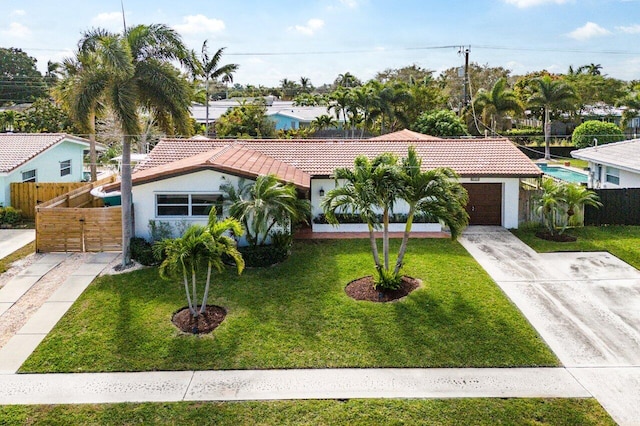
{"points": [[18, 148], [468, 157], [403, 135], [228, 158]]}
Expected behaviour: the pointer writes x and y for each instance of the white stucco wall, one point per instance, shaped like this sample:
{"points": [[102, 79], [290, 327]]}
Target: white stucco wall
{"points": [[510, 194], [47, 166], [144, 197], [598, 178]]}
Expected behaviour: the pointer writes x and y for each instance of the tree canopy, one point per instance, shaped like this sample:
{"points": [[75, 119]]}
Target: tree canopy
{"points": [[591, 131], [20, 80]]}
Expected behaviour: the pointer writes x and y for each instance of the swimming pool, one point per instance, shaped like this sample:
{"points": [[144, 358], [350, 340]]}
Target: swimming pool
{"points": [[565, 174]]}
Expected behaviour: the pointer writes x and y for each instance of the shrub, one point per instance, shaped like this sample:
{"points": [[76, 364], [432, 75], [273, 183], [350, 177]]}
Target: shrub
{"points": [[142, 252], [526, 135], [10, 216], [282, 240], [584, 135]]}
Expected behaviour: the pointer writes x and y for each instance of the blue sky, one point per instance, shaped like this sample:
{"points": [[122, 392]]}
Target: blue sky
{"points": [[320, 39]]}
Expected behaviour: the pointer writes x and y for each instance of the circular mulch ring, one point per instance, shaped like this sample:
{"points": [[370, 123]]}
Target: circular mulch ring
{"points": [[558, 238], [204, 323], [362, 289]]}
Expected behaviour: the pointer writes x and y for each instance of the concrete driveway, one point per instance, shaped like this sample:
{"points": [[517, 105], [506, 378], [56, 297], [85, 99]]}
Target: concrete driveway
{"points": [[586, 306], [14, 239]]}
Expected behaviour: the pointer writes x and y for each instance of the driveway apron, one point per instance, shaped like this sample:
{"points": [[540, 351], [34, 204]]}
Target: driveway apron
{"points": [[586, 306]]}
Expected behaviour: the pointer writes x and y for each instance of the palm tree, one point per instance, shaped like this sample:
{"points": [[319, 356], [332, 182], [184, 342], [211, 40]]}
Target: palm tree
{"points": [[436, 194], [129, 72], [590, 69], [548, 203], [322, 122], [371, 186], [495, 103], [551, 95], [211, 70], [577, 196], [199, 245], [264, 204], [305, 84], [340, 101]]}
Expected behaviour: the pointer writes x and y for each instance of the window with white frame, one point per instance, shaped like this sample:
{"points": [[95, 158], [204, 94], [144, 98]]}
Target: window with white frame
{"points": [[29, 176], [65, 168], [187, 204], [613, 175]]}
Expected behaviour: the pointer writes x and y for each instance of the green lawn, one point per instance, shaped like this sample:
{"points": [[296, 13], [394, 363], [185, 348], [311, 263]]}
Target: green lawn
{"points": [[621, 241], [5, 263], [496, 411], [296, 315]]}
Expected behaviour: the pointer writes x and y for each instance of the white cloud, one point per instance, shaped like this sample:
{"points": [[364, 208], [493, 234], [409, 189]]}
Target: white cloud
{"points": [[631, 29], [16, 30], [199, 24], [529, 3], [107, 20], [587, 31], [17, 12], [312, 26]]}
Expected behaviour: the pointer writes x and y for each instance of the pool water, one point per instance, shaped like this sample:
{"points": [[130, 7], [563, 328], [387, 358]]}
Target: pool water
{"points": [[564, 174]]}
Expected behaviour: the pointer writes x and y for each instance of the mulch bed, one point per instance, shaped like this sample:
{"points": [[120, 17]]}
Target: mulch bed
{"points": [[558, 238], [362, 289], [205, 323]]}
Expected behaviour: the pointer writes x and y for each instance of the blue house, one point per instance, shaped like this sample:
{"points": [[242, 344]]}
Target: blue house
{"points": [[39, 157]]}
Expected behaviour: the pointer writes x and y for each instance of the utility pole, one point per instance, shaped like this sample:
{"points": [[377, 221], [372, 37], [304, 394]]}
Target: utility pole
{"points": [[466, 96]]}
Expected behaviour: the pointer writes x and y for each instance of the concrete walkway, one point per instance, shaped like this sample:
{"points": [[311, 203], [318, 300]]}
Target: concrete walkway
{"points": [[586, 306], [14, 239], [24, 342]]}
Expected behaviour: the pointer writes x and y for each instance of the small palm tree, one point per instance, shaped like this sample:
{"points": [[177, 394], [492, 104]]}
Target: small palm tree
{"points": [[494, 104], [264, 204], [577, 196], [198, 246], [549, 203]]}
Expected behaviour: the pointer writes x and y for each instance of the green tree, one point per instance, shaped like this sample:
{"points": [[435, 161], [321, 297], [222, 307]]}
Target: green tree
{"points": [[495, 103], [45, 116], [199, 246], [133, 72], [591, 131], [210, 69], [440, 123], [436, 194], [21, 80], [551, 95], [347, 80], [246, 120], [264, 204], [323, 122], [480, 77]]}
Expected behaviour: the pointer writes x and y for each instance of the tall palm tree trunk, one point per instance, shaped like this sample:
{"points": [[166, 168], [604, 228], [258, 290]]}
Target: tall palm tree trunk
{"points": [[127, 199], [93, 158], [547, 134]]}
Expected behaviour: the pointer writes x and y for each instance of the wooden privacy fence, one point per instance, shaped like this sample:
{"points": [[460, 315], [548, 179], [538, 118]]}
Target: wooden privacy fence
{"points": [[78, 222], [27, 195], [619, 207], [527, 210]]}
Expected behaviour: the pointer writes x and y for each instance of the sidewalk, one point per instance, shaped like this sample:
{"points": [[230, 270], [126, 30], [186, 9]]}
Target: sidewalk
{"points": [[14, 239], [289, 384], [24, 342]]}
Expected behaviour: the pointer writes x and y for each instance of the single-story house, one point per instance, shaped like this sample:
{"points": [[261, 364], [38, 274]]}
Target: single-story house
{"points": [[613, 165], [39, 157], [181, 177]]}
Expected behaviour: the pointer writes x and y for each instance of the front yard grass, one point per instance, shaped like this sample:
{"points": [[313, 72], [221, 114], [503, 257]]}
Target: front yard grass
{"points": [[5, 262], [296, 315], [326, 412], [621, 241]]}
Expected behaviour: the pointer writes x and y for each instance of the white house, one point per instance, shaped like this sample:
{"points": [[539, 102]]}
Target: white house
{"points": [[614, 165], [181, 177], [39, 157]]}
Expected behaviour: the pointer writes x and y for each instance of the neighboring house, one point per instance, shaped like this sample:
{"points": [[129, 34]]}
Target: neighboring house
{"points": [[181, 177], [614, 165], [284, 114], [39, 157]]}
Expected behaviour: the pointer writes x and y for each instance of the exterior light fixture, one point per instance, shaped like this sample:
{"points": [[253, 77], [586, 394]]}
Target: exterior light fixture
{"points": [[321, 192]]}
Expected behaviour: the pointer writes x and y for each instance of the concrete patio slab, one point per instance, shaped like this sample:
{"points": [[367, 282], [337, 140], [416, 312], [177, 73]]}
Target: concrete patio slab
{"points": [[89, 269], [4, 307], [16, 351], [38, 269], [49, 258], [16, 287], [71, 289], [105, 257], [383, 383], [12, 240], [45, 318], [94, 388], [617, 390]]}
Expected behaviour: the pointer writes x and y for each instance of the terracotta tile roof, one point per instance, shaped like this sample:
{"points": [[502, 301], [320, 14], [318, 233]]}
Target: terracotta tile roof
{"points": [[468, 157], [404, 134], [18, 148], [231, 159]]}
